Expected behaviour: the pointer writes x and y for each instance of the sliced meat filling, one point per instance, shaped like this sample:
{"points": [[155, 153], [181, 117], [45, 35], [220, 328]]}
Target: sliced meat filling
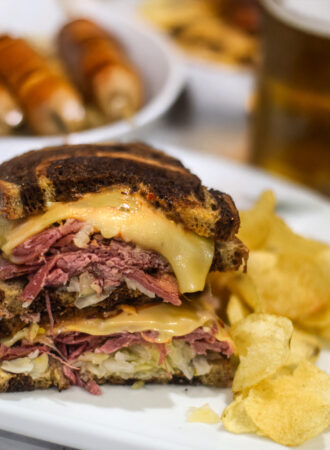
{"points": [[85, 358], [66, 256]]}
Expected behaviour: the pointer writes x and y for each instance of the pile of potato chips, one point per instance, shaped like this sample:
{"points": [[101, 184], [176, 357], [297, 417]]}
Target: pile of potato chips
{"points": [[199, 28], [278, 393], [287, 274], [275, 310]]}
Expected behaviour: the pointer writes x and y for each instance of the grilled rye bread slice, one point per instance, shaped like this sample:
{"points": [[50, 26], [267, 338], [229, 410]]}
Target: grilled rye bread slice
{"points": [[65, 173], [14, 316], [221, 375]]}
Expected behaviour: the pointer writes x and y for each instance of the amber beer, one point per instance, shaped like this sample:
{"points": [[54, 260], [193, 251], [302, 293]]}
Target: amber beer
{"points": [[291, 126]]}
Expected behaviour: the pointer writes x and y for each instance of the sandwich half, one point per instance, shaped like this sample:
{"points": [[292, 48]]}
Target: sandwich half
{"points": [[105, 253]]}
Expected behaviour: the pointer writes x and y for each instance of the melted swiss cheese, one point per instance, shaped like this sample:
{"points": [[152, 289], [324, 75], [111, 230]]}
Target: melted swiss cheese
{"points": [[167, 319], [115, 213]]}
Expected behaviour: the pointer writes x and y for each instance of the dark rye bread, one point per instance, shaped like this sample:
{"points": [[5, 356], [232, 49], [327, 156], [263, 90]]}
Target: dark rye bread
{"points": [[221, 375], [10, 382], [65, 173], [14, 316]]}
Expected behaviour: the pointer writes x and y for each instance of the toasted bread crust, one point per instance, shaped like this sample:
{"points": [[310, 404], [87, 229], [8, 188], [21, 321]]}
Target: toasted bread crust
{"points": [[221, 375], [231, 255], [65, 173], [62, 305], [10, 382]]}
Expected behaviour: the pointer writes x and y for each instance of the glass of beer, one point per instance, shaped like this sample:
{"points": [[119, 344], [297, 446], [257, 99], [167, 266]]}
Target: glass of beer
{"points": [[291, 121]]}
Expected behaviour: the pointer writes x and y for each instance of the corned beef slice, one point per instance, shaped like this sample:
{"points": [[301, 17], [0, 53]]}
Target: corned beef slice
{"points": [[78, 343], [71, 376], [35, 247], [8, 271], [164, 286], [8, 353], [115, 343], [92, 387], [201, 341], [51, 259], [74, 378]]}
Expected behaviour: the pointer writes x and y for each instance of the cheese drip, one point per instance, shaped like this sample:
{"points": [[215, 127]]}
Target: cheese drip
{"points": [[168, 320], [115, 213]]}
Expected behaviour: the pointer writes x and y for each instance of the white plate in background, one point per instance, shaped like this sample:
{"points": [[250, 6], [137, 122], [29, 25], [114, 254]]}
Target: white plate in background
{"points": [[212, 115], [154, 417], [236, 82], [157, 62]]}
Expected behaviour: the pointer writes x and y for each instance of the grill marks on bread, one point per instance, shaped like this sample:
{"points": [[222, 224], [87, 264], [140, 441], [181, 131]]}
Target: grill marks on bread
{"points": [[65, 173]]}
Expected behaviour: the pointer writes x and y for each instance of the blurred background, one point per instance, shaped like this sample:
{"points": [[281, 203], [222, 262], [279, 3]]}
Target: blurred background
{"points": [[258, 85], [247, 80]]}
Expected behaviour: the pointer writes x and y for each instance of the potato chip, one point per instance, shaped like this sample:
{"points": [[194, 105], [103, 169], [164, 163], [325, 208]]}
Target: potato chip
{"points": [[256, 222], [235, 418], [244, 287], [325, 333], [291, 408], [239, 284], [303, 346], [262, 341], [323, 257], [198, 27], [163, 13], [282, 238], [204, 414], [261, 228], [290, 272], [288, 284], [318, 323], [319, 320], [236, 310]]}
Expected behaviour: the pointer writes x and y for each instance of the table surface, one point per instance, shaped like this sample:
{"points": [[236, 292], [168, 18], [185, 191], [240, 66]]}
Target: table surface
{"points": [[209, 117]]}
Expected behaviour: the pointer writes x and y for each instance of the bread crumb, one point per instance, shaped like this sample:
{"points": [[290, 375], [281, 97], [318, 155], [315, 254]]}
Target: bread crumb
{"points": [[204, 414]]}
